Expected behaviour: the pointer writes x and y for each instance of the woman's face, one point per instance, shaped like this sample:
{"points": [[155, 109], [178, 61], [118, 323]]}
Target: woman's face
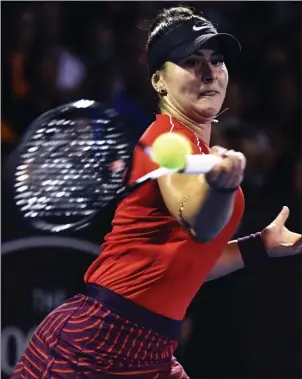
{"points": [[196, 86]]}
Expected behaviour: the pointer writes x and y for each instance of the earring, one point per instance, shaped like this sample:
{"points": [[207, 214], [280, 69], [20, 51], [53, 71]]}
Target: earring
{"points": [[163, 91]]}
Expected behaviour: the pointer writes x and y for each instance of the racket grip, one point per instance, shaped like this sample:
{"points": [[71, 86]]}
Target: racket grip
{"points": [[201, 163]]}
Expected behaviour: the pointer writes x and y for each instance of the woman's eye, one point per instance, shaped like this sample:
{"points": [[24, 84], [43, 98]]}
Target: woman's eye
{"points": [[217, 60], [191, 62]]}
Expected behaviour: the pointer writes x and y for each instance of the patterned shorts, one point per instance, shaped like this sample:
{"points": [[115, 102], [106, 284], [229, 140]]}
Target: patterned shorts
{"points": [[101, 335]]}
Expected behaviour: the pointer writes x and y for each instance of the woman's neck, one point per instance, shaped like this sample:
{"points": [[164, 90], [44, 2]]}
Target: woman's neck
{"points": [[201, 129]]}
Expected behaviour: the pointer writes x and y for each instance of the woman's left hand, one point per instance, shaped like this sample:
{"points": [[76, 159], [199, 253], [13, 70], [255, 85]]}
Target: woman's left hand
{"points": [[278, 240]]}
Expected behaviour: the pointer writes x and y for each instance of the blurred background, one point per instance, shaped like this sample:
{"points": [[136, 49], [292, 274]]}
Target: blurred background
{"points": [[245, 325]]}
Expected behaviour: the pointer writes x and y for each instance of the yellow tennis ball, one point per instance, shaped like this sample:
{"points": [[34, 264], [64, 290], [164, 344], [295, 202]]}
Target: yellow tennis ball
{"points": [[170, 149]]}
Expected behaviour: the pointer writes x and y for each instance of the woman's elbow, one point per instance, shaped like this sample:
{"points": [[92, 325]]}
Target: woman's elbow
{"points": [[207, 229], [206, 237], [206, 232]]}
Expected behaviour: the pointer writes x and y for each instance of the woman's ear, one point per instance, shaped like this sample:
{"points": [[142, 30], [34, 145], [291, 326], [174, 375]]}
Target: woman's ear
{"points": [[158, 83]]}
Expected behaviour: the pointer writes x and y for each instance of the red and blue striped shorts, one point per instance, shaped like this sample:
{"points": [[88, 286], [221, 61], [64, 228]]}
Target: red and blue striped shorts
{"points": [[101, 335]]}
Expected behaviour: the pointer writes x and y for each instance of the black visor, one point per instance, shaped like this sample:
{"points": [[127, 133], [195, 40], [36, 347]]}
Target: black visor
{"points": [[187, 38]]}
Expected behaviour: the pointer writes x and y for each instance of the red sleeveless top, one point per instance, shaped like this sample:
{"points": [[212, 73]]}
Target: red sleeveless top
{"points": [[148, 256]]}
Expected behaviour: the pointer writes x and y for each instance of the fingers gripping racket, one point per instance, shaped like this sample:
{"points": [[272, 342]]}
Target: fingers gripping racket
{"points": [[74, 160]]}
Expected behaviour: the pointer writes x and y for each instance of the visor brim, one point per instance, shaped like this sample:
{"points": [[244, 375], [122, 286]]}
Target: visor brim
{"points": [[224, 43]]}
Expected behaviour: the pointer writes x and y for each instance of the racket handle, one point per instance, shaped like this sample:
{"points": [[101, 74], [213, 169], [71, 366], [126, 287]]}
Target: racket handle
{"points": [[201, 163]]}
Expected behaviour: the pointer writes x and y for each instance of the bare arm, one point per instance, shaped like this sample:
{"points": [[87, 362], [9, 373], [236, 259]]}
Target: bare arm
{"points": [[191, 198], [229, 261], [277, 241], [206, 210]]}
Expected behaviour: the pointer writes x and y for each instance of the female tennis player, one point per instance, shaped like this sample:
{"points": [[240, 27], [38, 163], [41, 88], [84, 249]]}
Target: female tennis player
{"points": [[168, 237]]}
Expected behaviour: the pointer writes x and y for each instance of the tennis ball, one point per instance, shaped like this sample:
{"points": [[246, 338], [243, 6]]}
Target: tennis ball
{"points": [[169, 150]]}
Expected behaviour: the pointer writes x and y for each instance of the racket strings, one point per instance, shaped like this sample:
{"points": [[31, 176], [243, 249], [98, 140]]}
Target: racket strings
{"points": [[70, 168]]}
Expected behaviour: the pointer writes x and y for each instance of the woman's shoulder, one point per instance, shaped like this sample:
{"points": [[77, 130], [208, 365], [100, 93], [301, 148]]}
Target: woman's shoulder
{"points": [[164, 124], [159, 126]]}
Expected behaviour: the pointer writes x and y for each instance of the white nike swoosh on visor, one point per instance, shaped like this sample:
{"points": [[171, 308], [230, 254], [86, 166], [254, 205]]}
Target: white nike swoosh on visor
{"points": [[197, 28]]}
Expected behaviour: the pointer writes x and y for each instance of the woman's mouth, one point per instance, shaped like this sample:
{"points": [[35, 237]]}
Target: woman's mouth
{"points": [[208, 93]]}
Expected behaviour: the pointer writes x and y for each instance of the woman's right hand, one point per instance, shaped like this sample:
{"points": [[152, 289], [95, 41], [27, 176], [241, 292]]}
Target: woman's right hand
{"points": [[230, 172]]}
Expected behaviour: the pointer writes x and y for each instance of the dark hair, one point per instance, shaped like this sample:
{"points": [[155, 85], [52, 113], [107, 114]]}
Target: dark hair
{"points": [[168, 19]]}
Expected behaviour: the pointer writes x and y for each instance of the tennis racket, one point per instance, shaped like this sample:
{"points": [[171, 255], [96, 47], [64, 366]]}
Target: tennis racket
{"points": [[76, 159]]}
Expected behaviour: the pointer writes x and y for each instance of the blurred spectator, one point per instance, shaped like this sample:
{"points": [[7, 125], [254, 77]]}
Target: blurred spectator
{"points": [[62, 72], [102, 43], [17, 69]]}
